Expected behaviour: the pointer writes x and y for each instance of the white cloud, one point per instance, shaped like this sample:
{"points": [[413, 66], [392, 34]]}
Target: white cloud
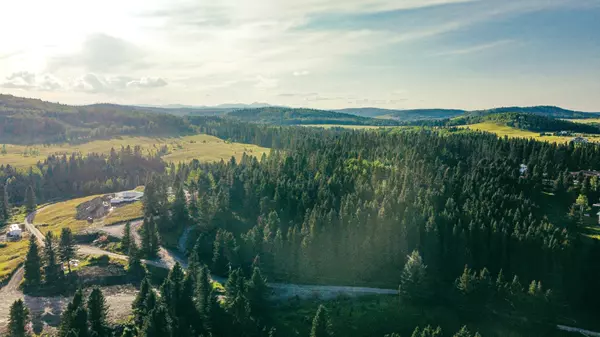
{"points": [[30, 81], [301, 73], [94, 83], [147, 82]]}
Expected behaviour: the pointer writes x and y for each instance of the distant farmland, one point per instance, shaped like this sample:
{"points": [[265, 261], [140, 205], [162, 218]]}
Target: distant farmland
{"points": [[202, 147]]}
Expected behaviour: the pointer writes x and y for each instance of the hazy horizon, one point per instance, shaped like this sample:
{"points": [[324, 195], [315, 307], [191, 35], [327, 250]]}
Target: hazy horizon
{"points": [[455, 54]]}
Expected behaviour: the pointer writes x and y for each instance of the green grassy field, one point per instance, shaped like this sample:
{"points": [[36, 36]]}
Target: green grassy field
{"points": [[202, 147], [504, 130], [584, 121], [62, 214], [12, 254], [125, 213]]}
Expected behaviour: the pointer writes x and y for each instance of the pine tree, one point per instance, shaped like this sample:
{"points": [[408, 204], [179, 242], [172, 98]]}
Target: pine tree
{"points": [[135, 268], [428, 331], [138, 305], [17, 322], [150, 240], [236, 303], [33, 263], [202, 295], [52, 269], [179, 212], [127, 237], [128, 332], [257, 293], [79, 325], [66, 247], [466, 283], [189, 321], [157, 323], [97, 314], [321, 327], [30, 202], [171, 289], [413, 281], [464, 332], [4, 206], [74, 318]]}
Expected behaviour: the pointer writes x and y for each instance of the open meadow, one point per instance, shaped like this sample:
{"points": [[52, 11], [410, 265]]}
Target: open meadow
{"points": [[12, 254], [57, 216], [504, 130], [202, 147], [584, 120]]}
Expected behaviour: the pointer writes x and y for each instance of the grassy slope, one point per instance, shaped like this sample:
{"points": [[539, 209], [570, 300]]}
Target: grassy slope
{"points": [[504, 130], [125, 213], [584, 121], [12, 255], [62, 214], [203, 147]]}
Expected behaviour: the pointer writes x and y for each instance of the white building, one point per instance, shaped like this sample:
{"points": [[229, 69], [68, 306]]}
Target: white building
{"points": [[523, 169], [125, 197], [579, 140], [14, 232]]}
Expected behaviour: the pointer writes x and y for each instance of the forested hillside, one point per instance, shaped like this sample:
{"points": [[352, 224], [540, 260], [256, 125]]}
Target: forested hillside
{"points": [[405, 115], [447, 218], [290, 116], [347, 208], [31, 121]]}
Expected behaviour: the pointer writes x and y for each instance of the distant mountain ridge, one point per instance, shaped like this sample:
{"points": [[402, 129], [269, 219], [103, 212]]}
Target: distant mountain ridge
{"points": [[202, 107]]}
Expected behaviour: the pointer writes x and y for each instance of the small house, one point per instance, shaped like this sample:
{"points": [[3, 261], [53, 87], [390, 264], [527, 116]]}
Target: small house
{"points": [[14, 232], [523, 169], [126, 197], [579, 140]]}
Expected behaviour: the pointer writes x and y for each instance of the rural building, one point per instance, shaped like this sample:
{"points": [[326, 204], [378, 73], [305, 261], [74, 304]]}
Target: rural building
{"points": [[523, 169], [126, 197], [14, 232], [579, 140]]}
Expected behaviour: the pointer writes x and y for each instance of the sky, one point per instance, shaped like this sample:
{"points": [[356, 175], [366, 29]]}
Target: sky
{"points": [[397, 54]]}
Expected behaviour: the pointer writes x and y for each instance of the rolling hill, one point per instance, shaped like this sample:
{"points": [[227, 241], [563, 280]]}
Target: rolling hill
{"points": [[291, 116], [404, 115], [31, 121]]}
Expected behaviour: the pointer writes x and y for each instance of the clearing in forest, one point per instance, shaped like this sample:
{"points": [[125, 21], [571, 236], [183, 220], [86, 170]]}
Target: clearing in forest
{"points": [[57, 216], [202, 147], [505, 130]]}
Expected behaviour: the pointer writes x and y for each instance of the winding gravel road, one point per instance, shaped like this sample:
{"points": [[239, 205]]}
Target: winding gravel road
{"points": [[121, 300]]}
